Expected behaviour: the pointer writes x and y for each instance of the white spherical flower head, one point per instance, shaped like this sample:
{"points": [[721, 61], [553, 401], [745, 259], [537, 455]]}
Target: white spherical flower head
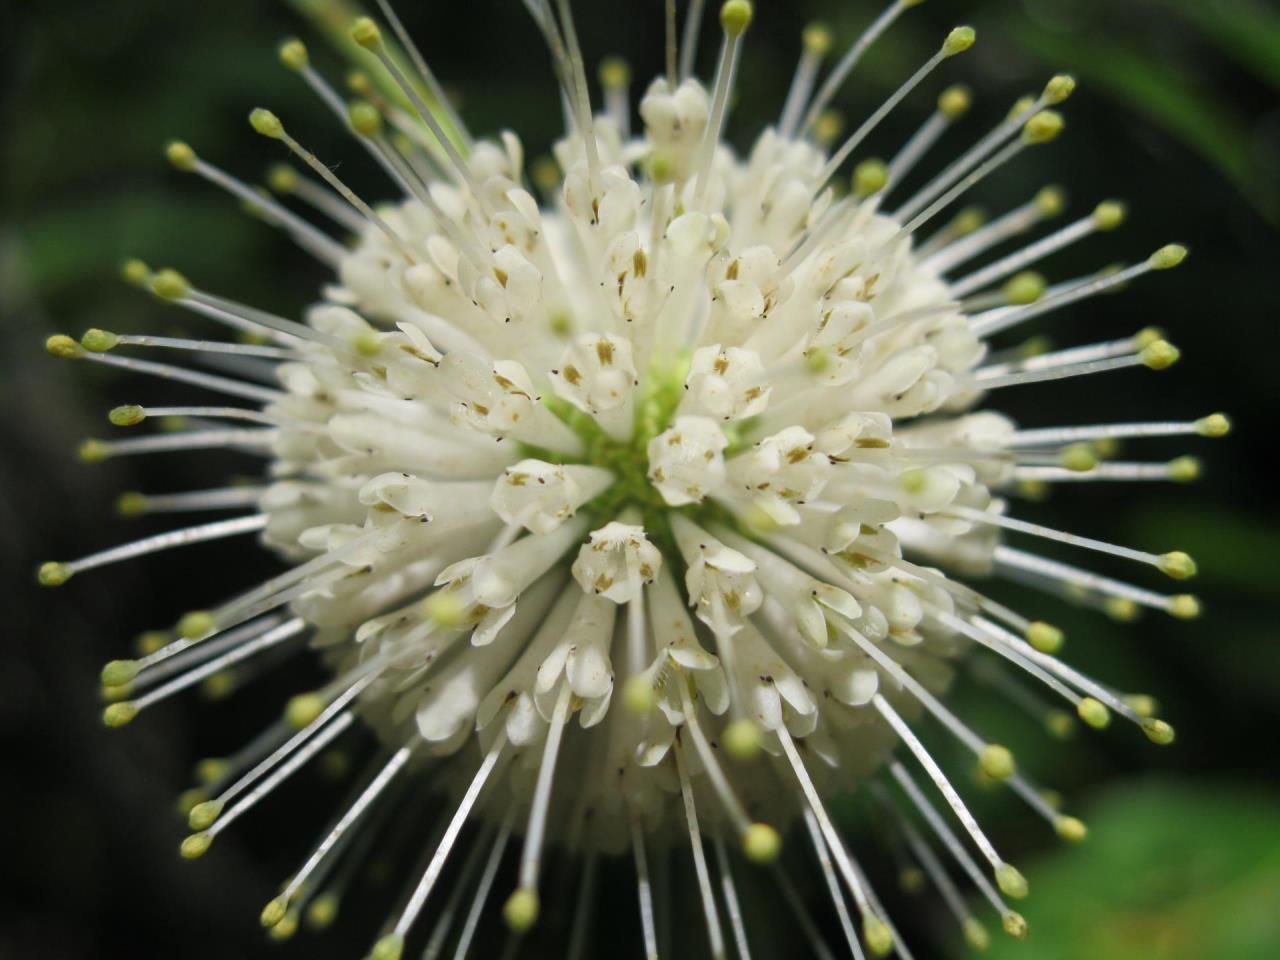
{"points": [[694, 450]]}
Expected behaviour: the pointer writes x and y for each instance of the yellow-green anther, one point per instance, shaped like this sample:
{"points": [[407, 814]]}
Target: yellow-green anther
{"points": [[735, 17], [615, 73], [1214, 425], [1079, 457], [365, 119], [1157, 731], [99, 341], [521, 909], [955, 102], [638, 695], [1143, 704], [911, 880], [92, 451], [131, 504], [761, 843], [870, 176], [170, 285], [1184, 606], [1105, 447], [742, 740], [1021, 106], [975, 934], [997, 762], [968, 220], [390, 947], [322, 911], [286, 928], [274, 912], [1060, 724], [195, 624], [1044, 127], [1059, 88], [203, 815], [1014, 925], [817, 359], [1024, 288], [1109, 214], [293, 54], [53, 574], [119, 672], [135, 272], [266, 123], [119, 714], [366, 33], [1071, 829], [1159, 355], [817, 39], [180, 155], [61, 346], [828, 127], [1167, 257], [1121, 609], [282, 178], [877, 935], [149, 642], [1094, 713], [301, 710], [210, 769], [195, 846], [1184, 469], [1045, 637], [1178, 565], [444, 609], [1010, 881], [959, 40], [127, 415], [1147, 336], [1051, 201]]}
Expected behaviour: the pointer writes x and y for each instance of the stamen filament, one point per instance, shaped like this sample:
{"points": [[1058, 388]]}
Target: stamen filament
{"points": [[715, 936], [164, 541], [208, 381], [428, 76], [823, 854], [730, 894], [472, 923], [644, 889], [689, 39]]}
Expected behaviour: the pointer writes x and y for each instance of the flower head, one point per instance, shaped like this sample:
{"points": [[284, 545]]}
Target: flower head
{"points": [[659, 507]]}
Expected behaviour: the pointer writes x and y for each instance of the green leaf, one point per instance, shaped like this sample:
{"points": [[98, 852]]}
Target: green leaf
{"points": [[1169, 872]]}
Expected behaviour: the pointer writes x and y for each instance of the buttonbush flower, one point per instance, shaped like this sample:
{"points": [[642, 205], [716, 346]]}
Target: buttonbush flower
{"points": [[649, 515]]}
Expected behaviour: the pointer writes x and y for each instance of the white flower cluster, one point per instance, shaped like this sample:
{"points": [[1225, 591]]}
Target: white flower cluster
{"points": [[686, 452]]}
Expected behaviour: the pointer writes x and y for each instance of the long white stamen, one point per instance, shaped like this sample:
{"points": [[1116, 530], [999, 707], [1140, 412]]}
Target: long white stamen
{"points": [[715, 773], [253, 440], [845, 65], [1066, 371], [353, 815], [207, 346], [1105, 350], [229, 311], [1179, 470], [989, 640], [166, 541], [459, 819], [823, 854], [730, 894], [954, 724], [269, 125], [1007, 266], [444, 922], [272, 638], [585, 121], [873, 121], [213, 413], [1212, 425], [283, 772], [531, 854], [949, 840], [952, 105], [644, 890], [715, 936], [284, 179], [933, 867], [315, 241], [1014, 223], [366, 676], [963, 187], [208, 381], [833, 840], [583, 907], [969, 160], [1063, 573], [428, 76], [939, 778], [472, 923], [817, 40], [726, 68], [151, 671], [1010, 523], [689, 39], [986, 326]]}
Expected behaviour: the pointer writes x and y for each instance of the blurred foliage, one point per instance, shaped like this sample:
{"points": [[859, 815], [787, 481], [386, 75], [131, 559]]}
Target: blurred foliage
{"points": [[1168, 872]]}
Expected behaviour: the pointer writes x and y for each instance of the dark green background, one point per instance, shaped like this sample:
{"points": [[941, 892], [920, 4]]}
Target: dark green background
{"points": [[1178, 114]]}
